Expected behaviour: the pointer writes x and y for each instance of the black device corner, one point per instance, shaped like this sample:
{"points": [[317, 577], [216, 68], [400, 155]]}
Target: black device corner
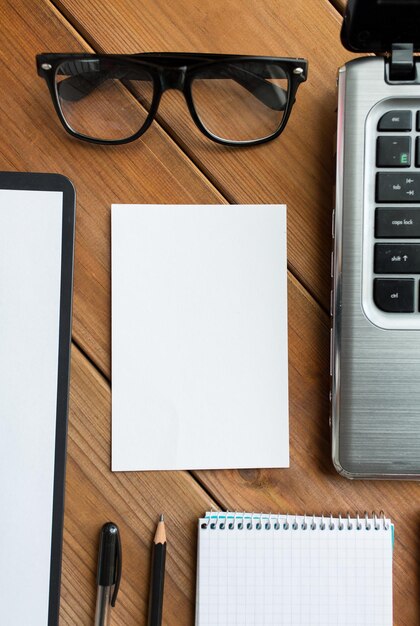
{"points": [[378, 25]]}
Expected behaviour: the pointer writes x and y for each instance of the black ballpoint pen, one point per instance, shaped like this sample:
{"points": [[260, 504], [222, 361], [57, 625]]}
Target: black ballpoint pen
{"points": [[109, 573], [157, 575]]}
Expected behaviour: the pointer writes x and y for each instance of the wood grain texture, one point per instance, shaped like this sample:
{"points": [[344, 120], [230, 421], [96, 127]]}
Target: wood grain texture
{"points": [[151, 170], [311, 485], [131, 500], [298, 167]]}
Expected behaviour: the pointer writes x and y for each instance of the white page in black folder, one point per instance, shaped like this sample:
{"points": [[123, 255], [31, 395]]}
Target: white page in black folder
{"points": [[36, 258]]}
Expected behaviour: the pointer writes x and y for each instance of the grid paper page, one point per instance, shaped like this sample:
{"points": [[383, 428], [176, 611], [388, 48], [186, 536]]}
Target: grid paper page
{"points": [[278, 573]]}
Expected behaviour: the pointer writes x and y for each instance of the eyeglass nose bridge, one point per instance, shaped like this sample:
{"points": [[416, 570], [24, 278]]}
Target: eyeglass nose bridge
{"points": [[173, 78]]}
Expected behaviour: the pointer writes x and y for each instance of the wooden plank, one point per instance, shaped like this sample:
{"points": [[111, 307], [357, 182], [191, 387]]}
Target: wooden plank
{"points": [[33, 140], [152, 170], [133, 501], [311, 485], [298, 167]]}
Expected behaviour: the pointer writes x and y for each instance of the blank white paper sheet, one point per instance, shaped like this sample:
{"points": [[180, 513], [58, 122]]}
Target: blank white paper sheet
{"points": [[277, 570], [199, 337], [30, 279]]}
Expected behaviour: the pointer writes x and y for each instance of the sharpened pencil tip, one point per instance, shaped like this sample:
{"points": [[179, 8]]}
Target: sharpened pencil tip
{"points": [[161, 518], [160, 536]]}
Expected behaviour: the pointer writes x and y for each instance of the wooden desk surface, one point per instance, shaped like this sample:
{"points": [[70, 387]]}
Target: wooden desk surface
{"points": [[174, 163]]}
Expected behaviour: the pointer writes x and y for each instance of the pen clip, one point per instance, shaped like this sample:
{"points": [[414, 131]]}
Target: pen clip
{"points": [[118, 566]]}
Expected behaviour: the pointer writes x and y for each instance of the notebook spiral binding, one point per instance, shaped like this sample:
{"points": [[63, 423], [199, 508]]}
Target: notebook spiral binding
{"points": [[259, 521]]}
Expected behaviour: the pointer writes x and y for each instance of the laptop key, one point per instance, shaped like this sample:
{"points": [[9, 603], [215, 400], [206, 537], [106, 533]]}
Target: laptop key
{"points": [[393, 151], [397, 258], [398, 187], [394, 295], [395, 120], [397, 223]]}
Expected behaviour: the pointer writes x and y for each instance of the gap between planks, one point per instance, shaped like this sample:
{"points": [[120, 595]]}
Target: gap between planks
{"points": [[200, 483], [82, 34], [340, 5], [207, 489], [85, 39]]}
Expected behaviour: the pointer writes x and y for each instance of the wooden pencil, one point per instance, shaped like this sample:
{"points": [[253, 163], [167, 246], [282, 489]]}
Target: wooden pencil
{"points": [[157, 575]]}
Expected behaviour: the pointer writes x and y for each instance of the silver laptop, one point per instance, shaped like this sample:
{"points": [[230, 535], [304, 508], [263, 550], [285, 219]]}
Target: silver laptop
{"points": [[375, 297]]}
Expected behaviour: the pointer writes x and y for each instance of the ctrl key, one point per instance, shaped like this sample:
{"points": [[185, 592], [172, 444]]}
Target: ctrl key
{"points": [[394, 295]]}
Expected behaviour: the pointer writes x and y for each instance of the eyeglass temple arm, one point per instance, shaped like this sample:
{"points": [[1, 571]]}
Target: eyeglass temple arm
{"points": [[77, 87]]}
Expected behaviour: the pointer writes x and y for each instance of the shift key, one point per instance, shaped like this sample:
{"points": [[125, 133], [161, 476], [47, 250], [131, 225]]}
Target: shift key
{"points": [[397, 258], [397, 187]]}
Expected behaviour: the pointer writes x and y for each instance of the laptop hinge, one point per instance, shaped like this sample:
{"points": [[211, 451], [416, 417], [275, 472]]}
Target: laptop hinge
{"points": [[401, 64]]}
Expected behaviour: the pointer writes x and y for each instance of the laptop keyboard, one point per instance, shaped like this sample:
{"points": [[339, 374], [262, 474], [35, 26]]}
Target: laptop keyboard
{"points": [[396, 258]]}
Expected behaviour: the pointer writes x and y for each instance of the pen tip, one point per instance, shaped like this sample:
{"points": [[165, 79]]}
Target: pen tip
{"points": [[161, 518]]}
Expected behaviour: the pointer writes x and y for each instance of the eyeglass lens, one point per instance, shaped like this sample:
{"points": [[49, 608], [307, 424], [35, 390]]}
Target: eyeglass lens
{"points": [[241, 101], [100, 99]]}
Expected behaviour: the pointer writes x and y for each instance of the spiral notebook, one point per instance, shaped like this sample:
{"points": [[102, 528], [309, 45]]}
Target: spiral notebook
{"points": [[282, 570]]}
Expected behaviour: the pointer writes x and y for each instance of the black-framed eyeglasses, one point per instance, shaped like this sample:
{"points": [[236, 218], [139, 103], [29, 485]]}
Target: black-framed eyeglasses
{"points": [[113, 99]]}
